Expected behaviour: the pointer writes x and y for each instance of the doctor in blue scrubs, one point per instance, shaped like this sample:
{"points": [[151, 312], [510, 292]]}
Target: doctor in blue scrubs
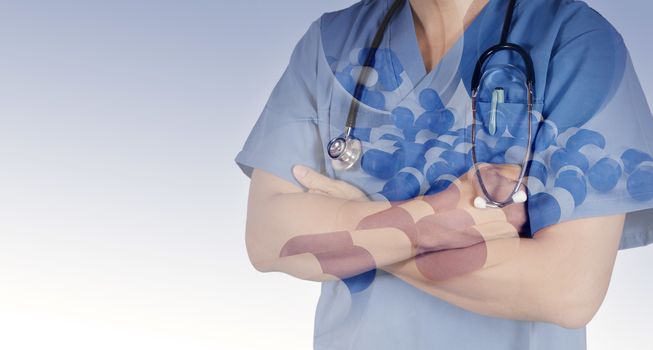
{"points": [[592, 152]]}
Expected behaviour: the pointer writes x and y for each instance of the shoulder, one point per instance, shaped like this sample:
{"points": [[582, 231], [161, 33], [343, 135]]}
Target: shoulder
{"points": [[337, 27], [331, 29], [573, 20], [348, 16], [307, 48], [579, 18], [585, 65]]}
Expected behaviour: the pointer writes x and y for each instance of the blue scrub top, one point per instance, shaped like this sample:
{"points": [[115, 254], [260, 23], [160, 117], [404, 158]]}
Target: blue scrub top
{"points": [[592, 155]]}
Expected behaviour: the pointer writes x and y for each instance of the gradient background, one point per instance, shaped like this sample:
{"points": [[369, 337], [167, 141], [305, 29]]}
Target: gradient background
{"points": [[121, 210]]}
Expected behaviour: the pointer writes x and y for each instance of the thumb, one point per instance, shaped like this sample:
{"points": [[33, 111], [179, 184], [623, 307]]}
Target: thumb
{"points": [[311, 179]]}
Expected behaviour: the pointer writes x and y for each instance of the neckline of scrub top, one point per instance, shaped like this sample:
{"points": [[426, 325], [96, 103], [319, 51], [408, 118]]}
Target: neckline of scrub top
{"points": [[403, 41]]}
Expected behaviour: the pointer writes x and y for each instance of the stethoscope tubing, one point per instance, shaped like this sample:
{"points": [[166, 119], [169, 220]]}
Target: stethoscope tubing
{"points": [[504, 45]]}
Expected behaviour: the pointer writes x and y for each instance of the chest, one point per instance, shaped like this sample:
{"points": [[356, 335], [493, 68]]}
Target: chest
{"points": [[415, 134], [413, 141]]}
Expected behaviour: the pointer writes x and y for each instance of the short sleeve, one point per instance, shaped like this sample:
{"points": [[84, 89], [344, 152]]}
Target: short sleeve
{"points": [[592, 152], [286, 132]]}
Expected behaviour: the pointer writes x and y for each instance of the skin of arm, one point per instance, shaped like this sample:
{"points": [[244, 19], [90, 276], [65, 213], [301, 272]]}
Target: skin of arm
{"points": [[279, 211], [560, 276], [317, 236]]}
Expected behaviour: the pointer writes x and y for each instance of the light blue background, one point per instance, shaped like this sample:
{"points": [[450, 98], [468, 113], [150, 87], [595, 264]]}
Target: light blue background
{"points": [[121, 210]]}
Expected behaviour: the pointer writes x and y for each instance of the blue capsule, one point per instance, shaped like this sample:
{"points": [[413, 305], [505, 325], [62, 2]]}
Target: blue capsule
{"points": [[379, 164], [483, 152], [436, 170], [546, 136], [401, 187], [410, 133], [640, 183], [633, 157], [547, 211], [563, 157], [605, 174], [584, 137], [430, 100], [410, 154], [360, 282], [538, 170], [574, 182], [425, 120], [456, 160], [403, 117], [373, 99], [391, 137], [437, 143], [438, 122], [443, 121]]}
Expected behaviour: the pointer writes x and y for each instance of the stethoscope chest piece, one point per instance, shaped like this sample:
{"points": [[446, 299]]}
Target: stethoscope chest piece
{"points": [[344, 152], [481, 202]]}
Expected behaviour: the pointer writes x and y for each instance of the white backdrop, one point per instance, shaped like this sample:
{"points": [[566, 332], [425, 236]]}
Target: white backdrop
{"points": [[121, 210]]}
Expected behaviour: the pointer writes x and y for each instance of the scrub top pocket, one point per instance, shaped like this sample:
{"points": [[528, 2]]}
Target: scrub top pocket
{"points": [[507, 142]]}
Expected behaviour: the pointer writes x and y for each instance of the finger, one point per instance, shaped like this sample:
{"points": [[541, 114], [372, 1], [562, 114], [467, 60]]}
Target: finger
{"points": [[321, 184], [311, 179], [318, 192], [336, 193], [310, 190]]}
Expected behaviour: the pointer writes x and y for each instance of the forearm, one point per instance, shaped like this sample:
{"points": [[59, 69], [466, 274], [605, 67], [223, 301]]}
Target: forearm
{"points": [[548, 278], [317, 237], [314, 237], [500, 289], [320, 237]]}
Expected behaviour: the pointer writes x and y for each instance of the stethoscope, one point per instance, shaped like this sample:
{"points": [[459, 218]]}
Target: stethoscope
{"points": [[346, 150]]}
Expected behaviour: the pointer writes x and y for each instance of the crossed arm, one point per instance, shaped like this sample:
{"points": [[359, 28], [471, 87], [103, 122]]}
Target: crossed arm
{"points": [[321, 236], [439, 244], [561, 276]]}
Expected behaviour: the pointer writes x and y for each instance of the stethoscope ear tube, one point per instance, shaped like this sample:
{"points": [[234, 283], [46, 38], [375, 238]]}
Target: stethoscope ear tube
{"points": [[517, 195], [346, 150], [369, 59], [528, 64]]}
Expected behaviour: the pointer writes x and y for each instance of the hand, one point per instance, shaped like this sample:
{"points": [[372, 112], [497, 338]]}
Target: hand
{"points": [[321, 184], [499, 181]]}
